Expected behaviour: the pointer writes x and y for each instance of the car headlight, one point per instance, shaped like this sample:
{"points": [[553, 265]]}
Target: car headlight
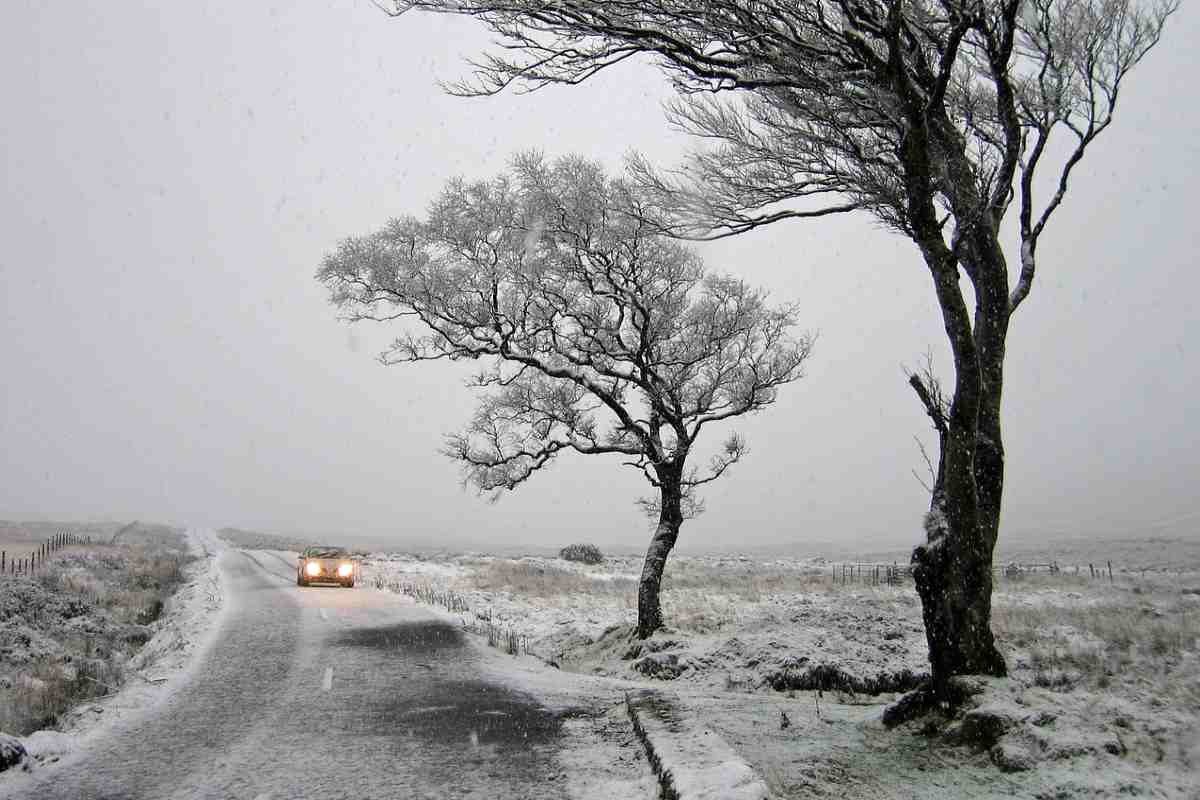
{"points": [[345, 570], [313, 568]]}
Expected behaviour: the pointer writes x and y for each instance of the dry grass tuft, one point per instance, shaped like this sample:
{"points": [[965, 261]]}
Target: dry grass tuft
{"points": [[44, 690], [747, 581], [546, 581], [744, 582], [695, 611], [1095, 645]]}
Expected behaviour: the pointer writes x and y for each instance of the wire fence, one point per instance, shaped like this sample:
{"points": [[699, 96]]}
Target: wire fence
{"points": [[870, 574], [35, 562], [895, 574], [481, 622]]}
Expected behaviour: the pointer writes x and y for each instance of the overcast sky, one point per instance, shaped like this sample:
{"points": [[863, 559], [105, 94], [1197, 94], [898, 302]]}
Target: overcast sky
{"points": [[173, 173]]}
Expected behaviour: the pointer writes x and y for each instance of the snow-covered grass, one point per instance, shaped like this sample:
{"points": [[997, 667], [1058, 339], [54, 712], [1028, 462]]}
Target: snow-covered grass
{"points": [[254, 540], [1096, 644], [750, 642], [540, 578], [67, 633], [731, 620]]}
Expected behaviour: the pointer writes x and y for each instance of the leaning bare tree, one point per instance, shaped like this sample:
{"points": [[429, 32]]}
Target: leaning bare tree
{"points": [[936, 117], [602, 335]]}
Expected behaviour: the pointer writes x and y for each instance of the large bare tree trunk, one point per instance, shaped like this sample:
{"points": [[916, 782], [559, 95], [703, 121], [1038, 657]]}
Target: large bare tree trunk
{"points": [[953, 569], [953, 573], [667, 531]]}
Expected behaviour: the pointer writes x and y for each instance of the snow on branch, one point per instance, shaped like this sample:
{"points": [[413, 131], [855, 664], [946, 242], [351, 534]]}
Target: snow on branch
{"points": [[599, 335]]}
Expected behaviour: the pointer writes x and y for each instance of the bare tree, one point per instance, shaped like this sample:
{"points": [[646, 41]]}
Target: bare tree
{"points": [[603, 337], [934, 116]]}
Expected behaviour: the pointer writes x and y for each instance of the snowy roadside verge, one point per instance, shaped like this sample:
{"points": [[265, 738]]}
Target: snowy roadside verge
{"points": [[774, 626], [688, 760], [184, 629], [598, 755], [691, 761], [784, 666]]}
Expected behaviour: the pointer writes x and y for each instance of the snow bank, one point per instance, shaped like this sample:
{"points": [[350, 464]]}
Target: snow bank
{"points": [[184, 628], [691, 761]]}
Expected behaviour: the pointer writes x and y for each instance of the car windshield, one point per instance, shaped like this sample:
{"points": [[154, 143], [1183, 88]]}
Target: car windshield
{"points": [[324, 552]]}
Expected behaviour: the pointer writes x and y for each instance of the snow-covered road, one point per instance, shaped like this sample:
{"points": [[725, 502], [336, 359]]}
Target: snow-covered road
{"points": [[320, 692]]}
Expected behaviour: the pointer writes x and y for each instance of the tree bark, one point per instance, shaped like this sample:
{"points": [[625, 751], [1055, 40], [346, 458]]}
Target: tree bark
{"points": [[670, 518], [953, 569], [953, 573]]}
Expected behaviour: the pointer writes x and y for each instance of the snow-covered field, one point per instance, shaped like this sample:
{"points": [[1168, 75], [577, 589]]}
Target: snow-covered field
{"points": [[794, 670]]}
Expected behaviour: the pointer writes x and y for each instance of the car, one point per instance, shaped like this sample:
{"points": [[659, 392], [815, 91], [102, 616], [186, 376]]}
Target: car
{"points": [[322, 564]]}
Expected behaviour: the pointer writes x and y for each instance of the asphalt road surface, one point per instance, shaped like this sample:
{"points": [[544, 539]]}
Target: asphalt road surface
{"points": [[320, 692]]}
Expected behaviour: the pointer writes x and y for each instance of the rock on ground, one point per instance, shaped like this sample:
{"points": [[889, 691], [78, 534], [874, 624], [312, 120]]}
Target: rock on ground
{"points": [[12, 752]]}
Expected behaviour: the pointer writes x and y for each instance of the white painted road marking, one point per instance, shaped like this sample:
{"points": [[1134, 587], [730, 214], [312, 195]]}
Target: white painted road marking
{"points": [[327, 684], [322, 612]]}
